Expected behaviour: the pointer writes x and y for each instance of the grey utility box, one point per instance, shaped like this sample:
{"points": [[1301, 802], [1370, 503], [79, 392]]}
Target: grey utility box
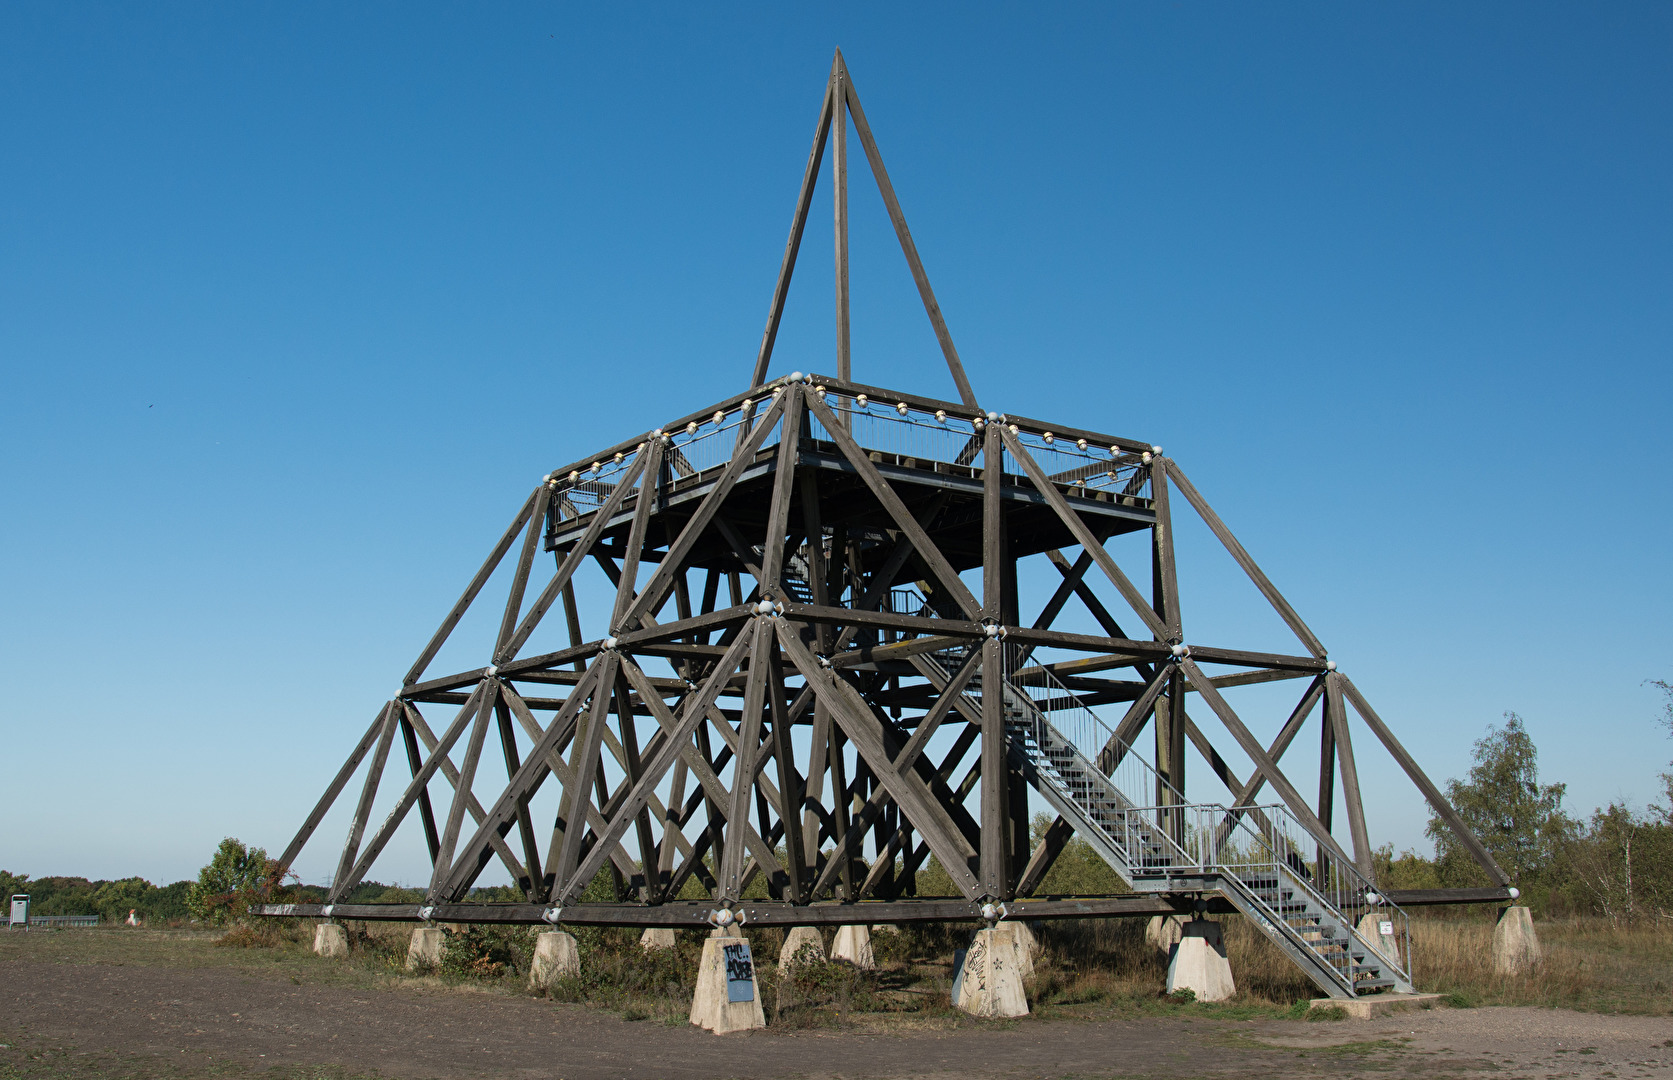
{"points": [[20, 910]]}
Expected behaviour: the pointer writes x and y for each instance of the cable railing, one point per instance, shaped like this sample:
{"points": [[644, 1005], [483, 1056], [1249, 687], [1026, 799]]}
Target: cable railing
{"points": [[898, 432], [1271, 845], [917, 437], [1285, 872], [1127, 769]]}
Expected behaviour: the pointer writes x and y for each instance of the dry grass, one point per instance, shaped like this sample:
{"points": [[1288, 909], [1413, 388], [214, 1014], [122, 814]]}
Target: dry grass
{"points": [[1098, 967], [1589, 964], [1095, 968]]}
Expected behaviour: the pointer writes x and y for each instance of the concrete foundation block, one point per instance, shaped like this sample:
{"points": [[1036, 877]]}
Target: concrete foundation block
{"points": [[728, 997], [989, 980], [425, 949], [853, 944], [1370, 930], [657, 937], [555, 957], [799, 938], [1380, 1005], [1198, 963], [330, 941], [1163, 932], [1020, 940], [1515, 945]]}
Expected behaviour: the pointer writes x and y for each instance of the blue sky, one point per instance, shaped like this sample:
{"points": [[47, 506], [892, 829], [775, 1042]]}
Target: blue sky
{"points": [[298, 301]]}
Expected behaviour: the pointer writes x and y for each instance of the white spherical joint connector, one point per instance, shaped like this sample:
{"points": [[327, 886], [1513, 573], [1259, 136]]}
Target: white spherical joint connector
{"points": [[861, 400], [547, 479], [1180, 652], [425, 913], [552, 915], [1080, 444], [722, 917], [902, 407], [1145, 457], [1330, 665], [993, 630], [610, 643], [940, 416], [1373, 899], [1048, 437], [691, 428], [1157, 450], [991, 912], [796, 376], [765, 607], [1515, 893], [491, 670], [824, 662]]}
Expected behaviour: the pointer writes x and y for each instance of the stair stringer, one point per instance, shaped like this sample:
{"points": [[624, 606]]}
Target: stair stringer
{"points": [[1035, 763]]}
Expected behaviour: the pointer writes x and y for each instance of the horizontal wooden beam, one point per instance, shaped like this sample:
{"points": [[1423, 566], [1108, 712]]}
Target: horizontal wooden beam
{"points": [[687, 915]]}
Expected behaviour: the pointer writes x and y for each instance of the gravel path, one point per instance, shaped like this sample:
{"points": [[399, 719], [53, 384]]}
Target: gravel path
{"points": [[222, 1022]]}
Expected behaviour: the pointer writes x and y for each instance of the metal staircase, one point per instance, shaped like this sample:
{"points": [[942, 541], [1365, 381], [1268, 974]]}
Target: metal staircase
{"points": [[1254, 855]]}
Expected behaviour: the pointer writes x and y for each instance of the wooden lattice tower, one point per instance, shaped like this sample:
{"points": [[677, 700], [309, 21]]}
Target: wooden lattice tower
{"points": [[800, 679]]}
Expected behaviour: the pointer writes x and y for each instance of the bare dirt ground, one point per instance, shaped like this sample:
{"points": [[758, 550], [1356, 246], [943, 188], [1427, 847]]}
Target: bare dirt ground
{"points": [[64, 1012]]}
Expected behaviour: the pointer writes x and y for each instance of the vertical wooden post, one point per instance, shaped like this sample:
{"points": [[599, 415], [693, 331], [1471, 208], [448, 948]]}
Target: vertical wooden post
{"points": [[789, 783], [995, 811], [842, 808], [839, 178], [1337, 716], [994, 788], [1327, 779]]}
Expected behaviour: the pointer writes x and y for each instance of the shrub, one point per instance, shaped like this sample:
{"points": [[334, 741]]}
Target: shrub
{"points": [[235, 879], [482, 952]]}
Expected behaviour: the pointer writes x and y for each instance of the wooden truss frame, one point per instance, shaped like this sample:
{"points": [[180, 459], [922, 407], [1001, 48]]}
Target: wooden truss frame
{"points": [[808, 584]]}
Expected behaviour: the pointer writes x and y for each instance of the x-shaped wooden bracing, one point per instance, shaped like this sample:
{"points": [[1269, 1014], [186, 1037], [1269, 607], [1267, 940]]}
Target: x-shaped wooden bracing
{"points": [[817, 666]]}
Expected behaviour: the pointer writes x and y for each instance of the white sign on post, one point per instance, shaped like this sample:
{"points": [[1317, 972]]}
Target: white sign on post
{"points": [[1386, 928]]}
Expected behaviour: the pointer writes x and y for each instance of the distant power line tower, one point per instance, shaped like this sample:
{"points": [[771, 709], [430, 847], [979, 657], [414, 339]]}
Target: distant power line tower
{"points": [[819, 670]]}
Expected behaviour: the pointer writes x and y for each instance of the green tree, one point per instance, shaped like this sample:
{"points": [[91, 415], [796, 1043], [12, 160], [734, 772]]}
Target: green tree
{"points": [[1667, 719], [234, 879], [1520, 821]]}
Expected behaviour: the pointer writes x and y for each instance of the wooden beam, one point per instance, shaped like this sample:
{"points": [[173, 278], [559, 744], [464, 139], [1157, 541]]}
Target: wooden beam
{"points": [[904, 235], [332, 790], [798, 221], [1256, 575], [1462, 831], [945, 575], [1084, 535], [487, 569], [368, 790]]}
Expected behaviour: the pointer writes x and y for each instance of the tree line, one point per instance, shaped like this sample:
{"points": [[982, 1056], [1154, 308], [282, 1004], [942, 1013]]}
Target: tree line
{"points": [[1617, 862]]}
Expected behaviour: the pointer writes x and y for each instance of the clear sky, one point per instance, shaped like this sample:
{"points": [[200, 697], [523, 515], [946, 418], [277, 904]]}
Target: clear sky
{"points": [[298, 301]]}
